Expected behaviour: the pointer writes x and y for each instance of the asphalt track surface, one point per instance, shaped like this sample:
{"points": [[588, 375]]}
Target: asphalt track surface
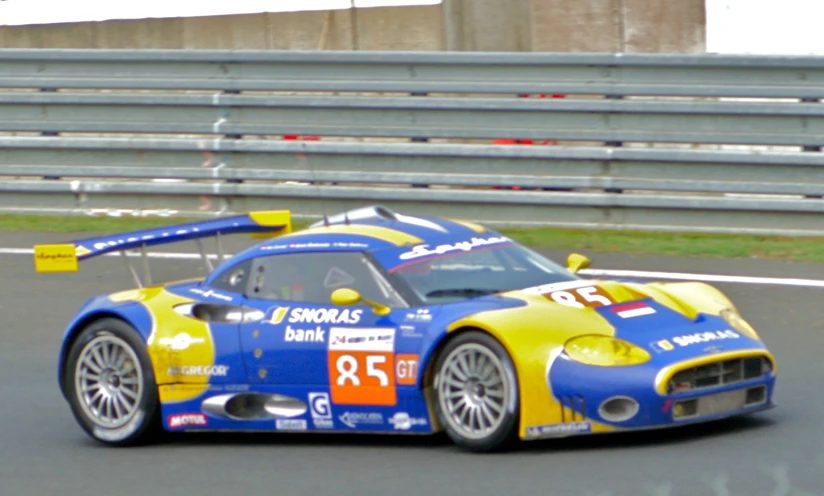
{"points": [[776, 453]]}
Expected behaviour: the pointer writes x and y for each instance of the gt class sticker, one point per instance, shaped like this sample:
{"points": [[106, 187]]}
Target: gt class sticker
{"points": [[362, 366]]}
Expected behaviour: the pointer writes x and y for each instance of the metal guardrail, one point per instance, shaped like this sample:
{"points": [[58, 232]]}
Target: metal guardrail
{"points": [[221, 150], [405, 72], [379, 116]]}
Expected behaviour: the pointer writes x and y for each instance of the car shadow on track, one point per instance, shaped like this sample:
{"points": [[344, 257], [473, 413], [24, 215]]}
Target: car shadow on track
{"points": [[638, 439]]}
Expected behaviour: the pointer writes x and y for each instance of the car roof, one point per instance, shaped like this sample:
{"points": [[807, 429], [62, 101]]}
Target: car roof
{"points": [[367, 229]]}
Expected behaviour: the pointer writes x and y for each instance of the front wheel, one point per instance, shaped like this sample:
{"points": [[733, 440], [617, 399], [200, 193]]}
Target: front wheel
{"points": [[477, 392], [110, 384]]}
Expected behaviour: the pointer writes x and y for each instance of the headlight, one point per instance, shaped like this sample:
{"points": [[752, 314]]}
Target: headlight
{"points": [[605, 351], [736, 322]]}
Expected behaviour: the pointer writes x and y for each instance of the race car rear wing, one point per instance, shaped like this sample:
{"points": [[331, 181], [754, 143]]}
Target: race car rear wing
{"points": [[66, 257]]}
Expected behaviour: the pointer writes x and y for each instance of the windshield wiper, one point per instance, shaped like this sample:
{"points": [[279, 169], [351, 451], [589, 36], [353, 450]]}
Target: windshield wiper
{"points": [[461, 292]]}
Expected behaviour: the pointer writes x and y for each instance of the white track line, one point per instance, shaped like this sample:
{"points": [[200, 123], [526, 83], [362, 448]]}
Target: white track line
{"points": [[641, 274]]}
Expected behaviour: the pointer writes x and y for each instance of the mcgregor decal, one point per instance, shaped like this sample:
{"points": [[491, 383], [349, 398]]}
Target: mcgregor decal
{"points": [[324, 316], [207, 370], [424, 250]]}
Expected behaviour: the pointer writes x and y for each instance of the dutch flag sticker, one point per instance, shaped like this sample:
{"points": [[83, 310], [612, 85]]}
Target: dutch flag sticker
{"points": [[632, 310]]}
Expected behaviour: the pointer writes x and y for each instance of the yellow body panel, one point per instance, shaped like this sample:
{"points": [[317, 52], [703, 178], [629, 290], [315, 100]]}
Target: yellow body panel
{"points": [[531, 334], [169, 351]]}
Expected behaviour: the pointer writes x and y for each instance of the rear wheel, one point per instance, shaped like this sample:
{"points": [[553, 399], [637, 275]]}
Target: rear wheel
{"points": [[111, 386], [477, 392]]}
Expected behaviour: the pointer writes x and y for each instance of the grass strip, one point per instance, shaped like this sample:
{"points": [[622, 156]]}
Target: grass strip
{"points": [[809, 249]]}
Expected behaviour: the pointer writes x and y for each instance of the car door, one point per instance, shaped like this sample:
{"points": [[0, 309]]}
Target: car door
{"points": [[306, 340]]}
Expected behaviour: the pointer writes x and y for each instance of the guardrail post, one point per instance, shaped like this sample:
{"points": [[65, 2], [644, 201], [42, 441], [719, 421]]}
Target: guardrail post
{"points": [[233, 136], [615, 144], [811, 148], [50, 133], [419, 139]]}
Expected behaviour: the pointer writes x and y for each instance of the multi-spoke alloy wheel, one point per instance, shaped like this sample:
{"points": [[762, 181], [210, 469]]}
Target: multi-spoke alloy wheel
{"points": [[109, 382], [477, 392]]}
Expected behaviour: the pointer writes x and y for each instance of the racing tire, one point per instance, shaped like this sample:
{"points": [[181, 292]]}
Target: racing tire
{"points": [[110, 384], [476, 393]]}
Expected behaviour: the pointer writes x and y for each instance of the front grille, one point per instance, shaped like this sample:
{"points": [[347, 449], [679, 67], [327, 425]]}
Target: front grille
{"points": [[721, 373], [713, 404], [576, 406]]}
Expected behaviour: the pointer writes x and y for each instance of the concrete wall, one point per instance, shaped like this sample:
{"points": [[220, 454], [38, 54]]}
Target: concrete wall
{"points": [[387, 28], [676, 26], [466, 25]]}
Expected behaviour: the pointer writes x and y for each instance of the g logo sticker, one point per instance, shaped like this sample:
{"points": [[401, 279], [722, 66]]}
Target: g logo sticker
{"points": [[319, 404]]}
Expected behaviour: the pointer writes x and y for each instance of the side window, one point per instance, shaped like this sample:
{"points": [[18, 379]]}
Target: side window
{"points": [[312, 277], [234, 279]]}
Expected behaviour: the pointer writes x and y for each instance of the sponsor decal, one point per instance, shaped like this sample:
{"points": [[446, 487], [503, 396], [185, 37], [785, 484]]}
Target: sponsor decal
{"points": [[353, 419], [209, 370], [408, 331], [324, 316], [210, 293], [403, 422], [555, 430], [631, 310], [406, 369], [293, 335], [704, 337], [362, 366], [341, 244], [290, 424], [419, 315], [277, 315], [362, 339], [321, 410], [180, 341], [662, 346], [186, 420], [476, 242]]}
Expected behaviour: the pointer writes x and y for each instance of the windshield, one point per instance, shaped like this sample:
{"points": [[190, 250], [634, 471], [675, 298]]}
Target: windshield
{"points": [[461, 275]]}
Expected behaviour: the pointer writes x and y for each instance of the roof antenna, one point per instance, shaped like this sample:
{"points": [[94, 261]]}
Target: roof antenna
{"points": [[325, 220], [346, 218]]}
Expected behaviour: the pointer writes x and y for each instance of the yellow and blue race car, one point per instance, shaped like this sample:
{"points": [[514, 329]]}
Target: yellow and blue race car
{"points": [[377, 322]]}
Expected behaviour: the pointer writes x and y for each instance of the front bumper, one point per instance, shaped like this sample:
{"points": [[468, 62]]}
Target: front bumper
{"points": [[650, 396]]}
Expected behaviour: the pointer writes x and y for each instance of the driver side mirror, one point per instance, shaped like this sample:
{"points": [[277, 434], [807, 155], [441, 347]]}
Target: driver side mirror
{"points": [[348, 296], [576, 262]]}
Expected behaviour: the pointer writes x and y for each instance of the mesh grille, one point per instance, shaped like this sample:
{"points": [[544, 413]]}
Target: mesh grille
{"points": [[719, 373]]}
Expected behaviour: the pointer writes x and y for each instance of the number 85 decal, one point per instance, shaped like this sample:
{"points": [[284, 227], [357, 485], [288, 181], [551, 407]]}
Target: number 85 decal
{"points": [[362, 378], [589, 296]]}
